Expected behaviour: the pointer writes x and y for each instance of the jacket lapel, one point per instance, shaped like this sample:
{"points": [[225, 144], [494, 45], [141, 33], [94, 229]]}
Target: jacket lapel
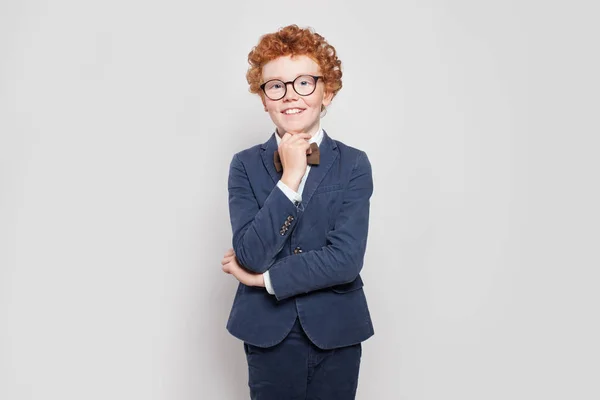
{"points": [[267, 150], [328, 154]]}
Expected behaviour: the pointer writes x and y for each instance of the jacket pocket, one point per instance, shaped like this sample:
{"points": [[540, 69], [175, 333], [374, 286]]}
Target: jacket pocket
{"points": [[328, 188], [349, 287]]}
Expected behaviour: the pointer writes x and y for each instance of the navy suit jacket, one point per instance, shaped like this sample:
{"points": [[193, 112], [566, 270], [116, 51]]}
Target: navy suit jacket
{"points": [[314, 250]]}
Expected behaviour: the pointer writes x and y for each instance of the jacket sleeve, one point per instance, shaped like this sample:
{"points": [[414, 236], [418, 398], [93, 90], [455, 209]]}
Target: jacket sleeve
{"points": [[259, 233], [341, 260]]}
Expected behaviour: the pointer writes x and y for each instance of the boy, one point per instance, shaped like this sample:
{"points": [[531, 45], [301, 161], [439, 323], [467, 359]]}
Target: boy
{"points": [[299, 210]]}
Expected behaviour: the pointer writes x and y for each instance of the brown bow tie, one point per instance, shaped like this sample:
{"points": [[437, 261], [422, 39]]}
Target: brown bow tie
{"points": [[311, 159]]}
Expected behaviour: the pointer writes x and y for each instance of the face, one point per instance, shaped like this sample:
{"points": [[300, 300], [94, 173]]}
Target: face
{"points": [[283, 112]]}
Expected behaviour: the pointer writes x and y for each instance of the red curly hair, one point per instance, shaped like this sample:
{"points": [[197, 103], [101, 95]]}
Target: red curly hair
{"points": [[294, 41]]}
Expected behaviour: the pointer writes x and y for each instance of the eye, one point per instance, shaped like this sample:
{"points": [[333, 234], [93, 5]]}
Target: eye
{"points": [[274, 85]]}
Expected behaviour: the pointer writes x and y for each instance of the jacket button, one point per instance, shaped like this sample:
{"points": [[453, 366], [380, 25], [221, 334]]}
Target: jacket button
{"points": [[297, 250]]}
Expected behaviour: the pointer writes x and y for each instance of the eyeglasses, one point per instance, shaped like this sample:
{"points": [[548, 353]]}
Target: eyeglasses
{"points": [[304, 85]]}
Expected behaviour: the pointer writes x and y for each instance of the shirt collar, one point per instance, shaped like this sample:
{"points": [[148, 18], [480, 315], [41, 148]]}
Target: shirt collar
{"points": [[316, 138]]}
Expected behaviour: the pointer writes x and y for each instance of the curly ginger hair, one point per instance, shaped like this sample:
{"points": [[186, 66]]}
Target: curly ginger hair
{"points": [[294, 41]]}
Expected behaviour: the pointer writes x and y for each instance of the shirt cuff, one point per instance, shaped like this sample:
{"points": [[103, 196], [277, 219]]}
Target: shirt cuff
{"points": [[294, 196], [268, 285]]}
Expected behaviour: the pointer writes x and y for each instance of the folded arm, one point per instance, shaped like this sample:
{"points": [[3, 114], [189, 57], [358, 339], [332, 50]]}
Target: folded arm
{"points": [[341, 260], [259, 234]]}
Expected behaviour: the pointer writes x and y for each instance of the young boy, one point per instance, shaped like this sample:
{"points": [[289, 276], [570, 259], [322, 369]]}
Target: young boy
{"points": [[299, 209]]}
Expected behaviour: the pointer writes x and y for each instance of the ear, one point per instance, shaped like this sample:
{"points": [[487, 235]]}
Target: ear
{"points": [[327, 97], [262, 98]]}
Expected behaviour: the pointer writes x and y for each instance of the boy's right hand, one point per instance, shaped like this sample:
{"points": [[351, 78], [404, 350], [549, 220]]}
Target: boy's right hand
{"points": [[292, 151]]}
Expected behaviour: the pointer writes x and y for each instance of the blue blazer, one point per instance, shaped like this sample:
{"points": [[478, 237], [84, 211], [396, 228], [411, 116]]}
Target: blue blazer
{"points": [[314, 250]]}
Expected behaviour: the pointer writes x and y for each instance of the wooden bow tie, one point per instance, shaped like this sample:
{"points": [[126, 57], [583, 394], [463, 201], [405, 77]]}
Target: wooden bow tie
{"points": [[311, 159]]}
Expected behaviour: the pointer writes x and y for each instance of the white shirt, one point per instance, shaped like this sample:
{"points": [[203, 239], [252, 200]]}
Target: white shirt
{"points": [[292, 194]]}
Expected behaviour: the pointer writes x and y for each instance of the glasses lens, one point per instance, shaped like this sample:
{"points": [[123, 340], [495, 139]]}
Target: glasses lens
{"points": [[275, 89], [304, 85]]}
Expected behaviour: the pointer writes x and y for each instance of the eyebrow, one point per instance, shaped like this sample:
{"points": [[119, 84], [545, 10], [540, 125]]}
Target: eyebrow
{"points": [[281, 79]]}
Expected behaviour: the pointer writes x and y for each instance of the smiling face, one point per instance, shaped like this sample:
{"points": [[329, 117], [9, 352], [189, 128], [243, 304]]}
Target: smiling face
{"points": [[294, 113]]}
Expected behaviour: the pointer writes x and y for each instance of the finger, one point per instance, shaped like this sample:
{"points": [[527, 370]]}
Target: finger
{"points": [[229, 267], [300, 137], [229, 252], [300, 141], [303, 136], [303, 145], [226, 260]]}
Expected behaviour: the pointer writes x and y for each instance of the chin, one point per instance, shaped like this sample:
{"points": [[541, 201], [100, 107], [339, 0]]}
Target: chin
{"points": [[296, 130], [292, 128]]}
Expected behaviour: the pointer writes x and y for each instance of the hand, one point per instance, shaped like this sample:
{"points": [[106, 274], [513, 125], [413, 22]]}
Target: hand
{"points": [[230, 265], [292, 151]]}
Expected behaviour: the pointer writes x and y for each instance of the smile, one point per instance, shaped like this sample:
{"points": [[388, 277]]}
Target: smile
{"points": [[292, 111]]}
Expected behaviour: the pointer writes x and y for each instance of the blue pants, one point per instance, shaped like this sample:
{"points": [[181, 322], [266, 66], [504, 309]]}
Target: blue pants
{"points": [[296, 369]]}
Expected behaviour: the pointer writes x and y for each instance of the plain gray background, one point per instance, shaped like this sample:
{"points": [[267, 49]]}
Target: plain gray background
{"points": [[118, 120]]}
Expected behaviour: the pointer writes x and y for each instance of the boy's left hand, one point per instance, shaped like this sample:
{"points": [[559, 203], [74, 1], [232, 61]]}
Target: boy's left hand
{"points": [[231, 266]]}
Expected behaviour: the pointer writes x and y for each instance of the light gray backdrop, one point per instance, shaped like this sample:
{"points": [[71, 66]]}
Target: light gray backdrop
{"points": [[118, 120]]}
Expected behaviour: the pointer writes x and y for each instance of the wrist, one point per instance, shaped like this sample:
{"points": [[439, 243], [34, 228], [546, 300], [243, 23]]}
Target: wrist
{"points": [[260, 280], [292, 182]]}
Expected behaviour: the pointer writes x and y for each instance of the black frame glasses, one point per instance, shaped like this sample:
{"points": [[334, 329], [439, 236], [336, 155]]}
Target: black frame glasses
{"points": [[315, 77]]}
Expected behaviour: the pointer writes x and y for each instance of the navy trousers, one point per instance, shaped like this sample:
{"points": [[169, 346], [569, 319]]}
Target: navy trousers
{"points": [[296, 369]]}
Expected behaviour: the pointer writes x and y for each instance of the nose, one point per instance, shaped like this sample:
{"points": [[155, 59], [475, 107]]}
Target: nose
{"points": [[290, 93]]}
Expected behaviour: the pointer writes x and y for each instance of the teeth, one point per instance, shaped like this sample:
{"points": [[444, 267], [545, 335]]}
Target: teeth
{"points": [[292, 111]]}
